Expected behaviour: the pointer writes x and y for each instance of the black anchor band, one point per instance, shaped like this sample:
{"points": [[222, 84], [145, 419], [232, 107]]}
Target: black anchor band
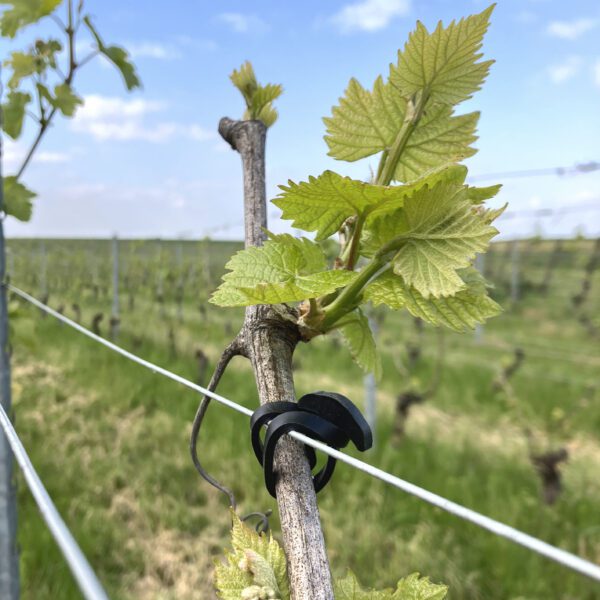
{"points": [[342, 412], [325, 416], [308, 424], [267, 413]]}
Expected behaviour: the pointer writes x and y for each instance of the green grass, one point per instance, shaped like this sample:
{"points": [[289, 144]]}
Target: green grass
{"points": [[109, 438]]}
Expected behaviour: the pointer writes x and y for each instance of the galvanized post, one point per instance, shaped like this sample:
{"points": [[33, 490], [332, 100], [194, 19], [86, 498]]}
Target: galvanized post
{"points": [[11, 263], [371, 390], [9, 553]]}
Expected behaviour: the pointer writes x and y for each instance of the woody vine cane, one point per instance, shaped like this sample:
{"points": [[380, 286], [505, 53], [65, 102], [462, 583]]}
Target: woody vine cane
{"points": [[268, 338]]}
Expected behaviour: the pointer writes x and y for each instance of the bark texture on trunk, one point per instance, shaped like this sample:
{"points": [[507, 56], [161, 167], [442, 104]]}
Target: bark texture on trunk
{"points": [[269, 336], [249, 139]]}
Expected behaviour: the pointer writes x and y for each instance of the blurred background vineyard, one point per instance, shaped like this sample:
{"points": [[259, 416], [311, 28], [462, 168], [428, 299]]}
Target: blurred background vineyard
{"points": [[504, 420]]}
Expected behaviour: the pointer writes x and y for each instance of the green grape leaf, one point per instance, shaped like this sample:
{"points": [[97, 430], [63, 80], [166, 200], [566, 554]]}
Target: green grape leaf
{"points": [[258, 98], [265, 94], [490, 214], [444, 63], [23, 65], [358, 336], [230, 581], [478, 195], [65, 100], [261, 107], [434, 72], [366, 123], [445, 172], [17, 199], [44, 92], [438, 139], [262, 571], [437, 232], [245, 81], [23, 13], [268, 115], [13, 112], [285, 269], [460, 312], [47, 50], [116, 55], [349, 588], [323, 203], [256, 564], [120, 58], [412, 587], [475, 281]]}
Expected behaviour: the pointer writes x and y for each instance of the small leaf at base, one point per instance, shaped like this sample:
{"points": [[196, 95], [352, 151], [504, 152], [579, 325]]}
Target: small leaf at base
{"points": [[17, 199], [359, 338]]}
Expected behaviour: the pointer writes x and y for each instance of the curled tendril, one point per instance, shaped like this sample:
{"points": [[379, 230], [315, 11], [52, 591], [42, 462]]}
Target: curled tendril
{"points": [[232, 350], [262, 526]]}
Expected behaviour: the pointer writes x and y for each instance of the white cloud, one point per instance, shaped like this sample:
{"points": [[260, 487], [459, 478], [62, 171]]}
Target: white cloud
{"points": [[369, 15], [162, 208], [98, 107], [124, 131], [141, 49], [585, 194], [571, 30], [241, 23], [15, 152], [51, 157], [152, 50], [566, 70], [12, 155], [106, 118]]}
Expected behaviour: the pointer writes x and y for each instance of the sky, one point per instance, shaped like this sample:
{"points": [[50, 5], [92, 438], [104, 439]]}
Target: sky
{"points": [[151, 164]]}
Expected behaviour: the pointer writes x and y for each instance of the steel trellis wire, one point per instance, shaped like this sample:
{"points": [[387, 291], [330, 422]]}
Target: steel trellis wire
{"points": [[536, 545], [90, 586]]}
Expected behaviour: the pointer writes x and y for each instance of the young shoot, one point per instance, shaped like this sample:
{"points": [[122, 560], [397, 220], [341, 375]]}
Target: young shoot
{"points": [[409, 237]]}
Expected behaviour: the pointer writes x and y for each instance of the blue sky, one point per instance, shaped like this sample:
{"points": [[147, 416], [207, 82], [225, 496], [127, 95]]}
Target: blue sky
{"points": [[151, 164]]}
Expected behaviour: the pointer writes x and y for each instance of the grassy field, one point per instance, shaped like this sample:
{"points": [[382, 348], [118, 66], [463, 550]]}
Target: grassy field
{"points": [[109, 438]]}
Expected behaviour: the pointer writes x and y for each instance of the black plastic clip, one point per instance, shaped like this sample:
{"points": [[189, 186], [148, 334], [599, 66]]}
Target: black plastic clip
{"points": [[325, 416]]}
